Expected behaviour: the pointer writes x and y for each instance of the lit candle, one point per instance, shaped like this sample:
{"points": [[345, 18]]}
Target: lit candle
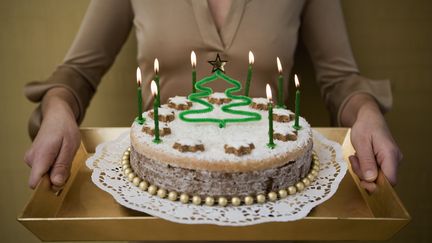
{"points": [[156, 78], [193, 62], [280, 103], [249, 75], [270, 144], [154, 90], [140, 118], [297, 104]]}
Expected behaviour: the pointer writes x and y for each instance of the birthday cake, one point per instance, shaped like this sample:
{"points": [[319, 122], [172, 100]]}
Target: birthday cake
{"points": [[220, 148]]}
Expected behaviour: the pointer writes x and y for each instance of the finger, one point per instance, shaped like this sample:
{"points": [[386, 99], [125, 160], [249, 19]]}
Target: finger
{"points": [[370, 187], [40, 168], [367, 161], [28, 157], [355, 166], [41, 160], [61, 168], [389, 161]]}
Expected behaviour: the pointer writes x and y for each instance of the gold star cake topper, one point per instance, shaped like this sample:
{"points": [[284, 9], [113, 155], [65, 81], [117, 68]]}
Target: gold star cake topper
{"points": [[218, 64]]}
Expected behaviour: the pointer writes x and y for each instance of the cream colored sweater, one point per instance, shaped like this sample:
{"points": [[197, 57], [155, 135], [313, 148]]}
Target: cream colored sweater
{"points": [[170, 30]]}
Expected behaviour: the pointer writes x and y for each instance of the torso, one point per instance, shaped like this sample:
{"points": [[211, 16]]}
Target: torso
{"points": [[230, 28], [219, 10]]}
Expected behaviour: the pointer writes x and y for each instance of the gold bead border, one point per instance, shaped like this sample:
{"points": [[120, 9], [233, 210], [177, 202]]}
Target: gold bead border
{"points": [[221, 201]]}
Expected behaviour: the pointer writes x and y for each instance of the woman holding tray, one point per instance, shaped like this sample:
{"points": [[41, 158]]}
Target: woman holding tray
{"points": [[169, 30]]}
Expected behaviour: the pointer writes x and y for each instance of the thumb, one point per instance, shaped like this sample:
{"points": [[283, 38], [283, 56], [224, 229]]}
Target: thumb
{"points": [[355, 165], [59, 174], [366, 157]]}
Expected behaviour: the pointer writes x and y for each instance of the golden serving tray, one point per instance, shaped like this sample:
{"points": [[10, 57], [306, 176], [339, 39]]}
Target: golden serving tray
{"points": [[81, 211]]}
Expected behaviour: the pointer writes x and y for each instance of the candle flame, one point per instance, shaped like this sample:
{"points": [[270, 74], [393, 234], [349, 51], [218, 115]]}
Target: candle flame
{"points": [[156, 66], [268, 92], [193, 59], [251, 58], [279, 65], [138, 76], [296, 80], [153, 88]]}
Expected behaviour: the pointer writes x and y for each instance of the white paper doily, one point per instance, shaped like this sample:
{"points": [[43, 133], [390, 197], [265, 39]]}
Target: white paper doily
{"points": [[107, 175]]}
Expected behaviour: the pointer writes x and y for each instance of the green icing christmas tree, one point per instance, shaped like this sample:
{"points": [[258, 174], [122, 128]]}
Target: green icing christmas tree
{"points": [[202, 92]]}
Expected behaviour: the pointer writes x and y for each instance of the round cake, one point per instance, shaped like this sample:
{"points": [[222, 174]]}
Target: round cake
{"points": [[203, 160]]}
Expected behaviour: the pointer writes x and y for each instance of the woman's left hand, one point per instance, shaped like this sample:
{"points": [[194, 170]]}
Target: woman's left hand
{"points": [[374, 145]]}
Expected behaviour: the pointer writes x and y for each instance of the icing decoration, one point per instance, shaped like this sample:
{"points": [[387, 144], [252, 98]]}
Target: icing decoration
{"points": [[164, 114], [218, 64], [207, 91], [218, 95], [282, 115], [179, 103], [150, 129], [259, 104], [188, 145], [214, 138], [218, 98], [239, 148], [285, 133]]}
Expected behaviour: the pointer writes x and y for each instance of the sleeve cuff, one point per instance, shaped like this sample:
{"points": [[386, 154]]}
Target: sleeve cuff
{"points": [[66, 77], [355, 84]]}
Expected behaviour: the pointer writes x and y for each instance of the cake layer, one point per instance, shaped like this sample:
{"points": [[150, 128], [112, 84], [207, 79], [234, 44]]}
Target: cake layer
{"points": [[218, 183]]}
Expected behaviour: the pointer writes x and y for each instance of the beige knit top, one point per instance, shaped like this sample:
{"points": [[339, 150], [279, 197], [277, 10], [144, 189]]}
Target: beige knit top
{"points": [[170, 30]]}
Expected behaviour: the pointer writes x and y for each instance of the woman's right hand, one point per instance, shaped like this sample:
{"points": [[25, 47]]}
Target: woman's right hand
{"points": [[57, 141]]}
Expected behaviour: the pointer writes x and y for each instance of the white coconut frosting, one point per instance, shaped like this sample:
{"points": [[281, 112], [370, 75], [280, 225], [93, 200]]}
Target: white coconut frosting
{"points": [[214, 138]]}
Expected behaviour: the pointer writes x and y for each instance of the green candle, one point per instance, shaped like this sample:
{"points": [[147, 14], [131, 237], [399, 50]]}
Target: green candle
{"points": [[156, 79], [270, 144], [280, 103], [249, 75], [140, 118], [154, 91], [193, 62], [297, 104]]}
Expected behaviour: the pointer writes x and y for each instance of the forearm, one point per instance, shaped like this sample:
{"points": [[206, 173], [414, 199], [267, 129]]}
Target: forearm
{"points": [[359, 105]]}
